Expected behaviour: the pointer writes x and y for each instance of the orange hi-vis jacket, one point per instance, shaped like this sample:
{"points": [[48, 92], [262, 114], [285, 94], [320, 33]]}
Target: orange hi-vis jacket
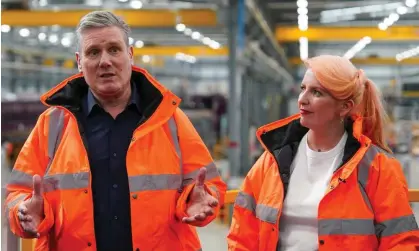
{"points": [[163, 160], [365, 207]]}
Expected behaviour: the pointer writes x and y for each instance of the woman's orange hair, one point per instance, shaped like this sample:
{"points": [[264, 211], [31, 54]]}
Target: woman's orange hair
{"points": [[345, 82]]}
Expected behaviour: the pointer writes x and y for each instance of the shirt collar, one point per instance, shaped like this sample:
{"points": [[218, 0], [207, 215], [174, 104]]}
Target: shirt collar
{"points": [[91, 100]]}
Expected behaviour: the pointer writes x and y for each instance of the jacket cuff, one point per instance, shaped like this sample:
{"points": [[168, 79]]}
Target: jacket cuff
{"points": [[44, 226]]}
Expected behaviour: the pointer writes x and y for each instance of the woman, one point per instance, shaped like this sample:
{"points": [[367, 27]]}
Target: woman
{"points": [[326, 180]]}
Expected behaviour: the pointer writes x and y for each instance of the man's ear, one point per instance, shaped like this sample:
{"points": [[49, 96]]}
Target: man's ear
{"points": [[131, 54], [78, 61]]}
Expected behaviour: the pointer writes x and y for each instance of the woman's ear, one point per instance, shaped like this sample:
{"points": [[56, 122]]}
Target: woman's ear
{"points": [[346, 107]]}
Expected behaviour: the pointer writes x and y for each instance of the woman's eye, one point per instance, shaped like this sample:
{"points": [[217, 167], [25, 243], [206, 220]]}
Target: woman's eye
{"points": [[316, 93]]}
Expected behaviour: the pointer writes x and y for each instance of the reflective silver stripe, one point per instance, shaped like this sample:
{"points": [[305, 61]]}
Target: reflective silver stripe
{"points": [[55, 130], [215, 190], [66, 181], [175, 138], [16, 201], [363, 171], [154, 182], [246, 201], [262, 212], [212, 172], [396, 226], [266, 213], [346, 227], [174, 133], [20, 178]]}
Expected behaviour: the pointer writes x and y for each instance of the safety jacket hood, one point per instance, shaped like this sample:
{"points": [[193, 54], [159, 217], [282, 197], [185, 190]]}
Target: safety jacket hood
{"points": [[70, 91]]}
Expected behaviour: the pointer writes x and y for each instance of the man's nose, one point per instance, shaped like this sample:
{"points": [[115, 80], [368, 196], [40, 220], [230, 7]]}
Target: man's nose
{"points": [[105, 60]]}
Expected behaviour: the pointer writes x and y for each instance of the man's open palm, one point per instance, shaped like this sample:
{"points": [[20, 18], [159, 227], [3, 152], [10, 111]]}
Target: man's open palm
{"points": [[201, 204], [31, 212]]}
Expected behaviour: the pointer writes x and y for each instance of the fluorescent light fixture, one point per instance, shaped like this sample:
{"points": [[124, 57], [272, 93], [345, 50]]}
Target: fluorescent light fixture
{"points": [[196, 35], [180, 27], [382, 26], [187, 32], [359, 46], [411, 3], [146, 58], [139, 44], [303, 48], [402, 10], [302, 3], [135, 4], [42, 36], [5, 28], [66, 42], [24, 32], [53, 39], [407, 54]]}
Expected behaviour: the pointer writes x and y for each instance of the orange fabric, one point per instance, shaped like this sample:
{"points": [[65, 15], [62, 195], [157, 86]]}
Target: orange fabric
{"points": [[155, 214], [386, 187]]}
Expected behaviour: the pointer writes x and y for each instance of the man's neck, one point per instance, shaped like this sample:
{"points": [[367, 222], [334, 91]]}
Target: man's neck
{"points": [[116, 104], [324, 139]]}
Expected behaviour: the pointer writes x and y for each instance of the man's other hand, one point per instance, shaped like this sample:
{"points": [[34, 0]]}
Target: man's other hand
{"points": [[31, 212], [201, 204]]}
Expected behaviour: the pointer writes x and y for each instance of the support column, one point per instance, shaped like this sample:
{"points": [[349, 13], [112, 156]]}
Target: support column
{"points": [[236, 41], [245, 125]]}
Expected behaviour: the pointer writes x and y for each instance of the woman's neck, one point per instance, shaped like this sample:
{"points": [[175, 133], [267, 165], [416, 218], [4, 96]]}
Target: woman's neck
{"points": [[323, 140]]}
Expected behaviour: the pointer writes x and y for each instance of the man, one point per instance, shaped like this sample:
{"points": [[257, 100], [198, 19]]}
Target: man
{"points": [[113, 164]]}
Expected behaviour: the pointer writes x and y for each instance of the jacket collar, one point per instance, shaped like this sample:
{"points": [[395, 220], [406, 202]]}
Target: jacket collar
{"points": [[289, 132], [155, 99]]}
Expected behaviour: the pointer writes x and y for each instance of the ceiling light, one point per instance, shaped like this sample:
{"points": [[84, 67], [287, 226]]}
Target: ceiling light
{"points": [[206, 40], [367, 40], [388, 21], [180, 27], [5, 28], [214, 45], [302, 11], [196, 35], [402, 10], [139, 44], [394, 17], [42, 36], [411, 3], [53, 39], [302, 3], [123, 1], [303, 48], [66, 42], [130, 40], [135, 4], [24, 32], [187, 32], [146, 59], [382, 26]]}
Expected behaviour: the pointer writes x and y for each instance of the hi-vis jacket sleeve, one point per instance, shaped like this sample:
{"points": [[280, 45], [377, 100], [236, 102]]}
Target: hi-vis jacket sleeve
{"points": [[32, 159], [396, 227], [244, 229], [195, 155]]}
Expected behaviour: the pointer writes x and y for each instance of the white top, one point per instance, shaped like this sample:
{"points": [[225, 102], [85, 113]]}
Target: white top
{"points": [[309, 180]]}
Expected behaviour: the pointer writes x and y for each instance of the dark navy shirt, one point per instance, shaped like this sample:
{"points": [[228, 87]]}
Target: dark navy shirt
{"points": [[108, 140]]}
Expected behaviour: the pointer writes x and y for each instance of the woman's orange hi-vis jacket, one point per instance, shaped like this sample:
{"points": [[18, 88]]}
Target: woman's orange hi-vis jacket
{"points": [[163, 160], [365, 208]]}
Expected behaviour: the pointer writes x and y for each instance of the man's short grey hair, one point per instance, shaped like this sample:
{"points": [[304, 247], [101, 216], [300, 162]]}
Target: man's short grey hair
{"points": [[101, 19]]}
